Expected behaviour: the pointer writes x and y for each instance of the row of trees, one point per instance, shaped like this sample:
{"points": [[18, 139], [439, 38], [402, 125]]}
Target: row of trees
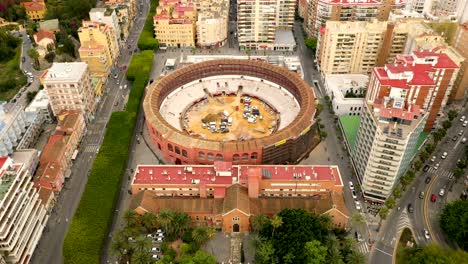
{"points": [[454, 222], [432, 254], [132, 244], [296, 236]]}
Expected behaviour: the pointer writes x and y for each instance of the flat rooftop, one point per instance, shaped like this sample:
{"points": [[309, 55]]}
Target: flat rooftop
{"points": [[67, 71], [224, 173], [284, 37], [350, 126]]}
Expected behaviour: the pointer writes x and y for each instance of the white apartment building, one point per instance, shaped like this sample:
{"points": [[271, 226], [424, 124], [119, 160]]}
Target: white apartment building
{"points": [[40, 104], [12, 126], [68, 87], [22, 216], [107, 16], [259, 21], [212, 25], [415, 5], [35, 120], [346, 92]]}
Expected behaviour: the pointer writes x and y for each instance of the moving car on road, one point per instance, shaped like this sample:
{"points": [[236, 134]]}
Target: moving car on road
{"points": [[426, 234], [421, 195], [351, 185], [358, 236], [442, 192], [426, 168], [433, 198], [358, 205], [410, 208], [353, 193], [444, 155], [428, 180]]}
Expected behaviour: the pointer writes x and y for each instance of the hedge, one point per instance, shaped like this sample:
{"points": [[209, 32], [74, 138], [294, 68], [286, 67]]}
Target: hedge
{"points": [[88, 231], [147, 40]]}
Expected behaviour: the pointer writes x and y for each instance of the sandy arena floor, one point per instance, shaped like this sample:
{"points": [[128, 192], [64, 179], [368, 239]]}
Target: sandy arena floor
{"points": [[241, 129]]}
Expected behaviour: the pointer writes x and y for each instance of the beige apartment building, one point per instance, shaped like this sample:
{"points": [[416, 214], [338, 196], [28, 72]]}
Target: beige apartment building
{"points": [[321, 11], [68, 86], [175, 23], [266, 24], [97, 38], [461, 44], [22, 215], [212, 24]]}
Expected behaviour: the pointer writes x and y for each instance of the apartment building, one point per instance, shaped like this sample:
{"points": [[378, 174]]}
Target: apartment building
{"points": [[35, 10], [446, 10], [321, 11], [415, 5], [403, 99], [346, 92], [107, 16], [34, 121], [13, 124], [175, 23], [212, 25], [460, 86], [126, 11], [68, 86], [22, 216], [207, 192], [97, 38], [265, 24]]}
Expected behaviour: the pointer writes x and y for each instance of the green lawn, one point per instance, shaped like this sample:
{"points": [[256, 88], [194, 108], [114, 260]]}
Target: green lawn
{"points": [[350, 126], [90, 225], [11, 77]]}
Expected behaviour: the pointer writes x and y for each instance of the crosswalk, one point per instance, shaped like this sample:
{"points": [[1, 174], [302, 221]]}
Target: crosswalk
{"points": [[91, 148], [442, 173], [363, 247]]}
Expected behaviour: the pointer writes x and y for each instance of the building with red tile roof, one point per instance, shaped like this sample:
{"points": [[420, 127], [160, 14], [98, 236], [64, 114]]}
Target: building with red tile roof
{"points": [[35, 10], [226, 195], [402, 100], [49, 176], [44, 38]]}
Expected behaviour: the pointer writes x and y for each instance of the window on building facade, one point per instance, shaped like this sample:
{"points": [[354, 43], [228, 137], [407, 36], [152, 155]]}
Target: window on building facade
{"points": [[236, 218], [210, 156], [184, 153], [235, 157], [245, 156], [170, 148], [254, 156], [219, 157], [177, 150]]}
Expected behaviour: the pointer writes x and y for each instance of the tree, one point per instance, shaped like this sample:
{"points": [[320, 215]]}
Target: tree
{"points": [[383, 212], [319, 108], [259, 221], [276, 221], [334, 255], [458, 172], [433, 254], [30, 96], [33, 54], [120, 246], [131, 218], [180, 223], [141, 248], [397, 192], [390, 203], [165, 218], [423, 156], [200, 235], [452, 114], [357, 218], [315, 253], [265, 253], [149, 222], [355, 257], [417, 164], [201, 257], [49, 57], [430, 148], [446, 124], [454, 222], [311, 43]]}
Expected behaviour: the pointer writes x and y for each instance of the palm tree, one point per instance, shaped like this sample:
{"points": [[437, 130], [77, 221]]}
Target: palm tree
{"points": [[200, 235], [120, 246], [33, 54], [141, 246], [258, 222], [149, 222], [334, 250], [355, 257], [276, 221], [131, 218], [165, 218], [180, 223]]}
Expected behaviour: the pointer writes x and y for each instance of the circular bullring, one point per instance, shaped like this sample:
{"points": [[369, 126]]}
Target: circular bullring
{"points": [[187, 111]]}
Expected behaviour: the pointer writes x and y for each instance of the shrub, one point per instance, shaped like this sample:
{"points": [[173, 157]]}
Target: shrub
{"points": [[90, 225], [147, 40]]}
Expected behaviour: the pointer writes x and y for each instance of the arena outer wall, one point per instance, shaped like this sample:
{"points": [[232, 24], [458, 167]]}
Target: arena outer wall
{"points": [[286, 146]]}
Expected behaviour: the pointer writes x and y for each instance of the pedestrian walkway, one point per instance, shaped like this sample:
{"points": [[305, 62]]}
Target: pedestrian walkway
{"points": [[236, 242], [91, 148], [442, 173], [363, 247]]}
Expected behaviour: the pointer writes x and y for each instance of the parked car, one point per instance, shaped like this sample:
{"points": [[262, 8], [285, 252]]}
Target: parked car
{"points": [[433, 198], [465, 123], [436, 166], [351, 185], [410, 208], [426, 234], [353, 193], [455, 138], [358, 205], [442, 192], [116, 75], [358, 236], [463, 140], [444, 155], [156, 257], [462, 119], [433, 158], [461, 132], [421, 195], [428, 180], [426, 168]]}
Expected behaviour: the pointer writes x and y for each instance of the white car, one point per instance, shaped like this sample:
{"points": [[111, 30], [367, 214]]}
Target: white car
{"points": [[351, 185], [353, 193], [433, 158], [462, 119], [156, 257], [125, 86], [358, 205], [121, 87], [436, 166], [159, 239], [460, 133], [442, 192], [426, 234], [444, 155], [465, 123]]}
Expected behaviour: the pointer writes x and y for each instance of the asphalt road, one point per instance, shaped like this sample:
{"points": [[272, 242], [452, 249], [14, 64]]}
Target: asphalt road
{"points": [[425, 215], [50, 246]]}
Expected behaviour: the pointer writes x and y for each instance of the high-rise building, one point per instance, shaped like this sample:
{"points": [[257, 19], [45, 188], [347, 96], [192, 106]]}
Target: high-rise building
{"points": [[99, 46], [22, 216], [321, 11], [68, 86], [12, 127], [175, 23], [402, 100], [212, 23], [265, 24], [415, 5], [107, 16], [460, 86]]}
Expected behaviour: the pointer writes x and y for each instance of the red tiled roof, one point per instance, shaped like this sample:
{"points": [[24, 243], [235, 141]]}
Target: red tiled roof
{"points": [[54, 149], [43, 33], [47, 174], [207, 174], [3, 160], [33, 6]]}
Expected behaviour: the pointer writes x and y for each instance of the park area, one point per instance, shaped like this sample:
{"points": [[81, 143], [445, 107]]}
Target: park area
{"points": [[11, 76]]}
